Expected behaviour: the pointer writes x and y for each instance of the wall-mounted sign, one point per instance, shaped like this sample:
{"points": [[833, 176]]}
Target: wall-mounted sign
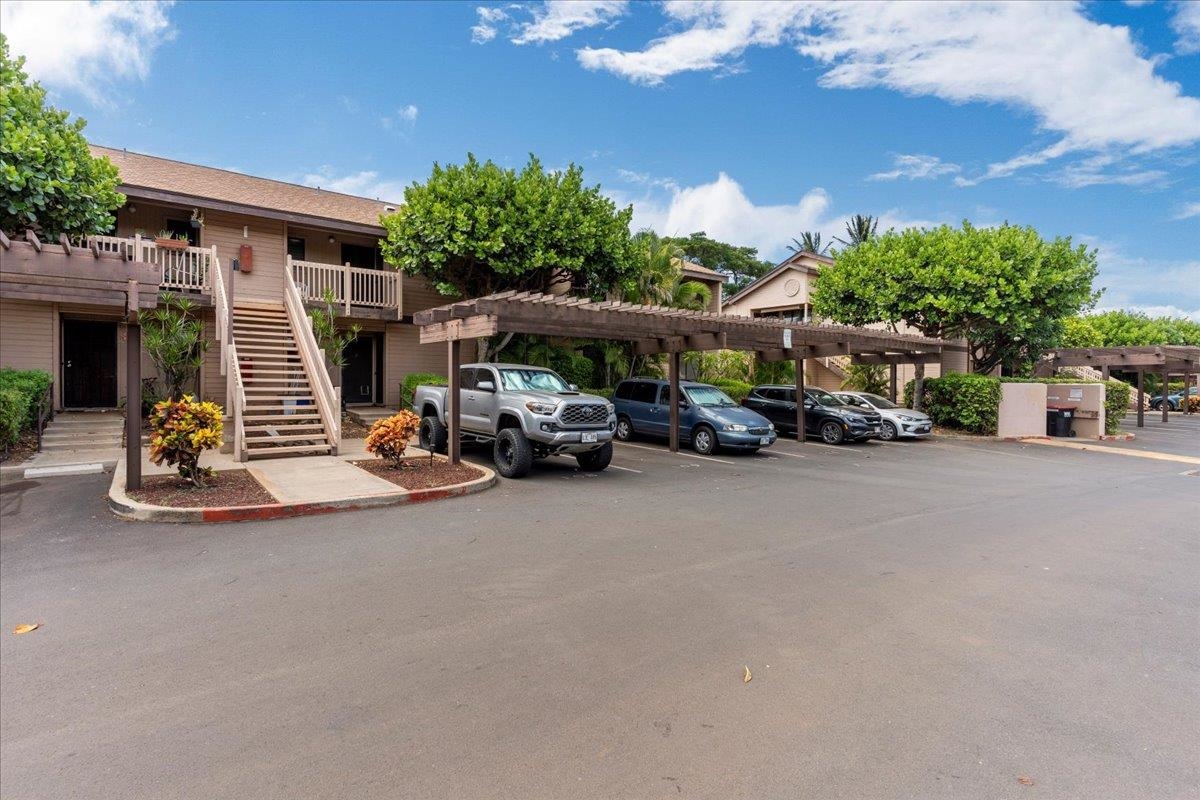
{"points": [[787, 338]]}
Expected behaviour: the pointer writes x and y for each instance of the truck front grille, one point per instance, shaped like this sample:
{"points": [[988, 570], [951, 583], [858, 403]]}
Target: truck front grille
{"points": [[584, 414]]}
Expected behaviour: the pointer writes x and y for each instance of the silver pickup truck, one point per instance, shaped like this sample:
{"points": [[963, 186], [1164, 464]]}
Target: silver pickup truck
{"points": [[527, 412]]}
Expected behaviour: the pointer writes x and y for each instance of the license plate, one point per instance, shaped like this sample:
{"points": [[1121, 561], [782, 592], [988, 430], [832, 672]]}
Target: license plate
{"points": [[587, 438], [765, 440]]}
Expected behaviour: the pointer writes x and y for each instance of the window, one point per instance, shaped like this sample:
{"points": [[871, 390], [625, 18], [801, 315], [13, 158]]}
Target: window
{"points": [[358, 255], [296, 247], [773, 394], [664, 397], [709, 396], [466, 378], [537, 380], [643, 392], [484, 374], [182, 227]]}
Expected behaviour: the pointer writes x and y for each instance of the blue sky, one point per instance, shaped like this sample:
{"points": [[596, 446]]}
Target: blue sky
{"points": [[752, 121]]}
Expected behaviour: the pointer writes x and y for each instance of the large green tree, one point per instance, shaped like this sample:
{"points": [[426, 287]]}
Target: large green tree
{"points": [[1005, 290], [49, 181], [1121, 328], [740, 264], [478, 228]]}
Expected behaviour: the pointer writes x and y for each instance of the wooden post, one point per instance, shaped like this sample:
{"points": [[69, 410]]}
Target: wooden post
{"points": [[346, 285], [1163, 395], [673, 375], [1187, 385], [1104, 372], [1141, 403], [800, 421], [918, 384], [133, 399], [892, 378], [453, 445]]}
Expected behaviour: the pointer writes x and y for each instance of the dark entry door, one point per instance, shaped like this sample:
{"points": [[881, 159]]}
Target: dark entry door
{"points": [[89, 363], [358, 376]]}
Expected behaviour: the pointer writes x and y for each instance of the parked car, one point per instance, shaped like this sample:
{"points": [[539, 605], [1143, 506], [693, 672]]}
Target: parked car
{"points": [[898, 422], [824, 415], [525, 412], [708, 418], [1174, 400]]}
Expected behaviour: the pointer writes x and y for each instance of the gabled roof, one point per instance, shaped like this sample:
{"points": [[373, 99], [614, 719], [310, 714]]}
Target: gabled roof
{"points": [[794, 261], [699, 270], [193, 182]]}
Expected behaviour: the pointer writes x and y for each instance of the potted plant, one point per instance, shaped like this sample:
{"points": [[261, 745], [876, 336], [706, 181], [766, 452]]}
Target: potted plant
{"points": [[167, 241]]}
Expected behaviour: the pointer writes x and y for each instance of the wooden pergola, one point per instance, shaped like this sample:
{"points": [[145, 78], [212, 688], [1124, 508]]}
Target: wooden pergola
{"points": [[1164, 360], [656, 329]]}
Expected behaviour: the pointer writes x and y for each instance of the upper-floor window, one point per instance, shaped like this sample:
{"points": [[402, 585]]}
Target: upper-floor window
{"points": [[296, 247], [359, 255]]}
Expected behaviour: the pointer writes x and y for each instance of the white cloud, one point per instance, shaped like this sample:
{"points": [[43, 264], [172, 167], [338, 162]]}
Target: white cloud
{"points": [[405, 117], [1107, 169], [916, 167], [486, 28], [558, 19], [366, 183], [1188, 211], [86, 46], [1083, 81], [1138, 281], [1186, 24]]}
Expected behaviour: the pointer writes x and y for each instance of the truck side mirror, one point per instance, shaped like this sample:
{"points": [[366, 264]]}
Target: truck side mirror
{"points": [[573, 387], [486, 386]]}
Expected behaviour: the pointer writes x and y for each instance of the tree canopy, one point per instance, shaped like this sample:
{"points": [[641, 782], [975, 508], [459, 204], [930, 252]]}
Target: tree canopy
{"points": [[741, 264], [1128, 329], [478, 228], [49, 180], [1005, 290]]}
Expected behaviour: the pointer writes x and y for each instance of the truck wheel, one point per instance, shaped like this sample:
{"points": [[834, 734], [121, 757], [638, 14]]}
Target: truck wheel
{"points": [[595, 460], [512, 453], [432, 435], [624, 431], [704, 440]]}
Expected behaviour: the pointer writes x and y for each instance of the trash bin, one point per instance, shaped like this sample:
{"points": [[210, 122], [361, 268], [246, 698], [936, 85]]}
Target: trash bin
{"points": [[1058, 420]]}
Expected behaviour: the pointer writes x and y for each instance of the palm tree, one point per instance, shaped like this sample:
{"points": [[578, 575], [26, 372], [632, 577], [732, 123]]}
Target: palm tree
{"points": [[859, 229], [809, 242], [690, 295]]}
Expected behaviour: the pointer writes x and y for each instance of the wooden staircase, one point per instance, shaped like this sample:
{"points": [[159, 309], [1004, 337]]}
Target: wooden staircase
{"points": [[281, 417]]}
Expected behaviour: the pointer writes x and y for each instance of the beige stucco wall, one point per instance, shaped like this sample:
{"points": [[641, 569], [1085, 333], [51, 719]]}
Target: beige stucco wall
{"points": [[1088, 400], [773, 294], [1022, 410]]}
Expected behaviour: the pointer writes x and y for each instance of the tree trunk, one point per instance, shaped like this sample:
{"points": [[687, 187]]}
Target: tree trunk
{"points": [[918, 386]]}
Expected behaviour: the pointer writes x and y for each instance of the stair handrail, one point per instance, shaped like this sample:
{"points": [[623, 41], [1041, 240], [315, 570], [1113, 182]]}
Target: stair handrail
{"points": [[237, 398], [329, 404], [221, 302]]}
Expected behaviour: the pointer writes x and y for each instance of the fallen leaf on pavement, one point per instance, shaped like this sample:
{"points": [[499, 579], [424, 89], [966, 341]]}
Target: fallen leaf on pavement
{"points": [[1025, 780], [746, 677], [26, 627]]}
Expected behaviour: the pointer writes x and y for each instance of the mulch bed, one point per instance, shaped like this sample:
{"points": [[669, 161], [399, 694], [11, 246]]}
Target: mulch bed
{"points": [[416, 472], [22, 449], [352, 430], [235, 487]]}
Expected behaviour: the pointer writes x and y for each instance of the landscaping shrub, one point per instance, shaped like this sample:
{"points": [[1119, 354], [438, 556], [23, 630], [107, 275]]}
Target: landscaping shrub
{"points": [[574, 367], [21, 392], [408, 386], [182, 430], [606, 392], [389, 437], [964, 401], [737, 390], [1193, 403]]}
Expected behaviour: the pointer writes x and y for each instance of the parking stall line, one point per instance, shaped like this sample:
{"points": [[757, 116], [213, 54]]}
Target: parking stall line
{"points": [[625, 469], [680, 453]]}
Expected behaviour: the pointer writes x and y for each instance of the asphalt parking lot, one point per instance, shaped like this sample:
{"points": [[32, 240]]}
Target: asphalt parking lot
{"points": [[938, 619]]}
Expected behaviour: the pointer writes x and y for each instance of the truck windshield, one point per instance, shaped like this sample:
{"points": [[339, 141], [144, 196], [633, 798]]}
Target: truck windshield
{"points": [[709, 396], [537, 380]]}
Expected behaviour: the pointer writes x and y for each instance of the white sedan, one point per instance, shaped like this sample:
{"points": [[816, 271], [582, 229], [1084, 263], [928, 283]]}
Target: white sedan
{"points": [[897, 422]]}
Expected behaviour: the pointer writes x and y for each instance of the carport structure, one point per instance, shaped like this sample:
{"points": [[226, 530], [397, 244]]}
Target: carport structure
{"points": [[1165, 360], [656, 329]]}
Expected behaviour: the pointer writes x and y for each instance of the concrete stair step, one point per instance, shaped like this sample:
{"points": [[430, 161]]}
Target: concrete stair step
{"points": [[318, 438], [261, 418], [269, 452]]}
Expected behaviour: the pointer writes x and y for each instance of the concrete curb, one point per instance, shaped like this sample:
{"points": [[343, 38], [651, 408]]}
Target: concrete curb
{"points": [[125, 506]]}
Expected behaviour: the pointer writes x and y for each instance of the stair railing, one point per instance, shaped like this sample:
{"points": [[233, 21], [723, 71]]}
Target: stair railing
{"points": [[329, 401], [235, 388]]}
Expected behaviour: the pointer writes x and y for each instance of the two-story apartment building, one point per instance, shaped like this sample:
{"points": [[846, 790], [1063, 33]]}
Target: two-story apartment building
{"points": [[248, 240]]}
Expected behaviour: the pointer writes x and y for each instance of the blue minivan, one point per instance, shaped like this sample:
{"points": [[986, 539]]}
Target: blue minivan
{"points": [[708, 418]]}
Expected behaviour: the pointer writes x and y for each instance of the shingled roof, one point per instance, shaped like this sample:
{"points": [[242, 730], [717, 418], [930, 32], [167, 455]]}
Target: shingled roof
{"points": [[164, 175]]}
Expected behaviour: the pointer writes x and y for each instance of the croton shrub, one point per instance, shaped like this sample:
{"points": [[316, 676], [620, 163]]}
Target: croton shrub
{"points": [[389, 437], [182, 430]]}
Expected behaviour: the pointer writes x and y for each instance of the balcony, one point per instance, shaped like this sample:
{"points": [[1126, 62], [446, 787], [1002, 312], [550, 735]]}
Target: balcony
{"points": [[180, 268], [348, 287]]}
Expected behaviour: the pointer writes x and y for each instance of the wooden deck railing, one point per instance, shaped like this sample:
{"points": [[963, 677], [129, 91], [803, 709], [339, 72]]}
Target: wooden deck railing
{"points": [[188, 269], [349, 286], [329, 400]]}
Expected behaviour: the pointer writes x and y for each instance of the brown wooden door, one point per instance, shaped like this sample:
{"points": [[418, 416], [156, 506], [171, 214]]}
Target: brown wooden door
{"points": [[89, 364]]}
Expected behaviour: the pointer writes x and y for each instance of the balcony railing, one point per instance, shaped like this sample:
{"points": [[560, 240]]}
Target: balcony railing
{"points": [[187, 268], [348, 286]]}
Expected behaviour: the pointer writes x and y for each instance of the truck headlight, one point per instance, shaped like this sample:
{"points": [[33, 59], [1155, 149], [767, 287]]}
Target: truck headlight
{"points": [[538, 407], [729, 426], [611, 408]]}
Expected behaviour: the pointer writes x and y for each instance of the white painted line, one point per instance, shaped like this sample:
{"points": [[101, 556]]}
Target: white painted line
{"points": [[625, 469], [680, 453], [65, 469], [785, 453]]}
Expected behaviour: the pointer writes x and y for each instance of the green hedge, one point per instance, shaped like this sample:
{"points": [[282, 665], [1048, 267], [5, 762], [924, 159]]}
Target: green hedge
{"points": [[411, 381], [606, 392], [964, 401], [20, 394], [737, 390]]}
